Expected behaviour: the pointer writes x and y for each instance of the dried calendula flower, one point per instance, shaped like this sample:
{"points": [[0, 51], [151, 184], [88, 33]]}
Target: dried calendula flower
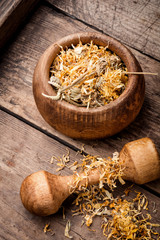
{"points": [[122, 219], [87, 75], [128, 221], [94, 200], [110, 169]]}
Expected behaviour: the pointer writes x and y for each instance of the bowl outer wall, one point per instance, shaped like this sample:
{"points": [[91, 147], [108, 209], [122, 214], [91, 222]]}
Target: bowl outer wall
{"points": [[80, 122]]}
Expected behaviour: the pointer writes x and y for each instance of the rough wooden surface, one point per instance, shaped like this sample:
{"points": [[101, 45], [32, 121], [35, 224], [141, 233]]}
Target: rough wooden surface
{"points": [[17, 69], [12, 15], [27, 144], [25, 150], [136, 23]]}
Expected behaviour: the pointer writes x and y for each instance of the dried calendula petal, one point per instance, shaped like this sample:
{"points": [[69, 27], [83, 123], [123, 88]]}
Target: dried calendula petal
{"points": [[88, 220], [61, 161], [64, 217], [46, 228], [67, 229]]}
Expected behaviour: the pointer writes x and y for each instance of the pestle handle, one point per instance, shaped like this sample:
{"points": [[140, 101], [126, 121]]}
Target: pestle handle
{"points": [[42, 193]]}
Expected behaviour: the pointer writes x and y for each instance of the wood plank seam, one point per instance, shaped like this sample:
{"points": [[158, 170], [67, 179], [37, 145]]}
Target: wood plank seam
{"points": [[16, 103], [59, 140], [14, 18], [51, 5], [74, 148]]}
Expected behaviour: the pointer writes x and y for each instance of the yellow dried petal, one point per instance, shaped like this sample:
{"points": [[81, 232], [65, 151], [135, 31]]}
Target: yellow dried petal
{"points": [[88, 220], [67, 229]]}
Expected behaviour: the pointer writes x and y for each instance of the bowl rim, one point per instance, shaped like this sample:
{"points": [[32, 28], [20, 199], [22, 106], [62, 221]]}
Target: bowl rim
{"points": [[51, 52]]}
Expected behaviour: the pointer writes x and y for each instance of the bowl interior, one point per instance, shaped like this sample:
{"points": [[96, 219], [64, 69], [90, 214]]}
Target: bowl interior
{"points": [[100, 40]]}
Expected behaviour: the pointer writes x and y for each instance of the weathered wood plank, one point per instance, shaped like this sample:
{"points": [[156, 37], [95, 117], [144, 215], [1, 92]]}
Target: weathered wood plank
{"points": [[12, 15], [17, 67], [25, 150], [136, 23]]}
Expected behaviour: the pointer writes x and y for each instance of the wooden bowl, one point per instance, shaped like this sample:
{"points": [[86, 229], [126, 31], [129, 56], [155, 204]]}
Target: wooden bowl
{"points": [[80, 122]]}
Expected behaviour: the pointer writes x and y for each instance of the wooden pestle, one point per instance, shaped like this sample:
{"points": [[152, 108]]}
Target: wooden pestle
{"points": [[42, 193]]}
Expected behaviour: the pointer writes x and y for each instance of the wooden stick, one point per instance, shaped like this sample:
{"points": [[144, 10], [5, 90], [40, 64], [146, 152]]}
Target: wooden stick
{"points": [[140, 73]]}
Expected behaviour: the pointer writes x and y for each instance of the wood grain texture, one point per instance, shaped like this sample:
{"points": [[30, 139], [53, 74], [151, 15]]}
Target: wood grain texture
{"points": [[25, 150], [12, 15], [136, 23], [45, 27]]}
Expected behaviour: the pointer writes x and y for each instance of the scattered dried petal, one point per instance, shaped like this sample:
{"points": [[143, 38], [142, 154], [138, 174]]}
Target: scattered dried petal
{"points": [[46, 228], [67, 229]]}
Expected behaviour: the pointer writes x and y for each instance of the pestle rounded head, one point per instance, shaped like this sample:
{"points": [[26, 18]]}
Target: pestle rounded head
{"points": [[141, 161], [41, 193]]}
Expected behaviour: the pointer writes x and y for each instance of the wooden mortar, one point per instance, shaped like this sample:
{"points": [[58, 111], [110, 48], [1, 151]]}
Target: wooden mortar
{"points": [[80, 122]]}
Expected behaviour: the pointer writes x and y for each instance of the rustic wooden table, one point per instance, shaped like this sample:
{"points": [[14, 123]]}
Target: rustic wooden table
{"points": [[27, 141]]}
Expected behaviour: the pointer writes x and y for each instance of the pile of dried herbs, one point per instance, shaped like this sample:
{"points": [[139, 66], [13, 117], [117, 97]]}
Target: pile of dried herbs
{"points": [[108, 170], [87, 75], [129, 220], [120, 219]]}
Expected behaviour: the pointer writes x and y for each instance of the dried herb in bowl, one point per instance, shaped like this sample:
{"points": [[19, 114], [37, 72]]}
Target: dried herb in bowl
{"points": [[87, 75], [101, 98]]}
